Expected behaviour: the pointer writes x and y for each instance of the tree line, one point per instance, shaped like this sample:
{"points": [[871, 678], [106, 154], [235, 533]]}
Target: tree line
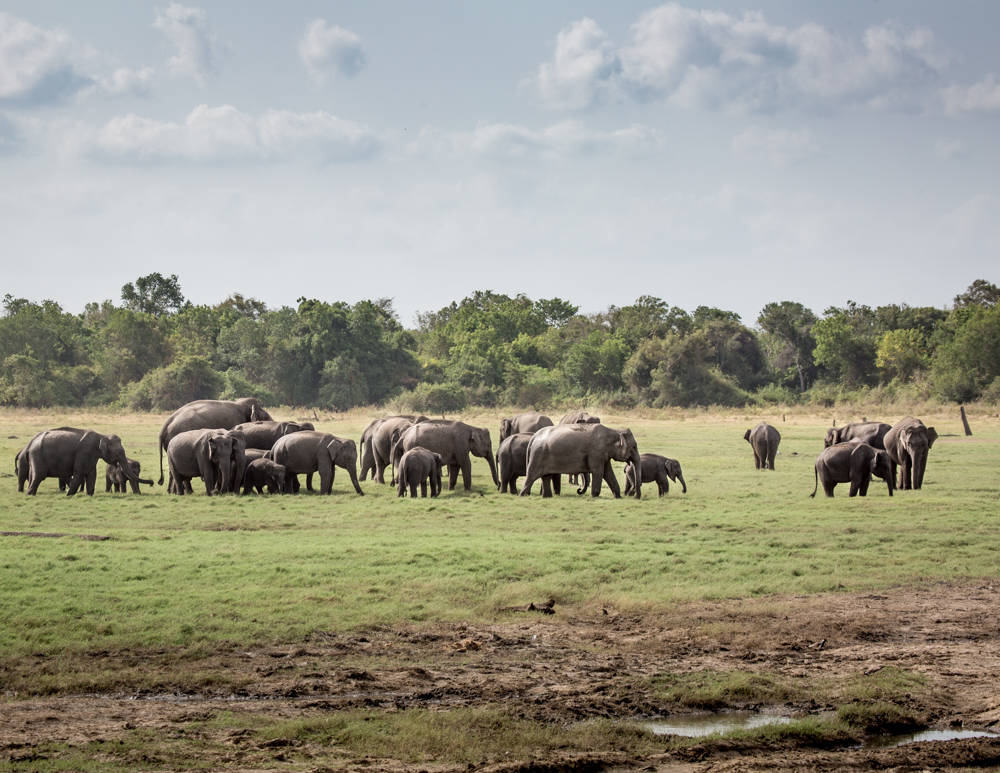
{"points": [[154, 350]]}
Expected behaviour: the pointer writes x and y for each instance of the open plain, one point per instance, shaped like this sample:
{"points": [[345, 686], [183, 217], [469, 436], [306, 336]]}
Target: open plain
{"points": [[480, 630]]}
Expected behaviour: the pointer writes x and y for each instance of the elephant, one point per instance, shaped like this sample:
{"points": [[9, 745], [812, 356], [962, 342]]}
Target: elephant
{"points": [[579, 448], [253, 454], [263, 472], [455, 441], [22, 468], [579, 417], [655, 468], [907, 444], [264, 434], [115, 478], [204, 453], [311, 451], [209, 414], [66, 453], [524, 422], [366, 446], [383, 437], [853, 461], [763, 439], [870, 432], [237, 463], [512, 463], [417, 466]]}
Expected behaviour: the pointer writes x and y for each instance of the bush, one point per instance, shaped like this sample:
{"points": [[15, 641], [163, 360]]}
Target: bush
{"points": [[169, 387], [236, 385], [437, 398]]}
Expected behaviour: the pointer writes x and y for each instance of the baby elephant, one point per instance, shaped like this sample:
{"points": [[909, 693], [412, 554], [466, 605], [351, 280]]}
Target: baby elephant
{"points": [[417, 466], [263, 472], [853, 462], [115, 478], [654, 468]]}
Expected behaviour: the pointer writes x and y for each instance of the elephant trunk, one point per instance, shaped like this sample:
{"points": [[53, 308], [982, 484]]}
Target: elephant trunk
{"points": [[493, 470], [919, 465], [353, 472], [126, 470], [637, 466], [684, 486]]}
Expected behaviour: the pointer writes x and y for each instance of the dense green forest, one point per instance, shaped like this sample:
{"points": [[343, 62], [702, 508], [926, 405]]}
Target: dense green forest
{"points": [[154, 351]]}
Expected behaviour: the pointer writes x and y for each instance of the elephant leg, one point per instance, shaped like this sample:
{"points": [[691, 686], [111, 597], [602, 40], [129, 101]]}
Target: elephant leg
{"points": [[452, 476], [467, 473], [423, 489], [612, 480], [855, 487], [863, 488], [91, 480], [828, 486], [546, 487], [596, 479], [557, 484]]}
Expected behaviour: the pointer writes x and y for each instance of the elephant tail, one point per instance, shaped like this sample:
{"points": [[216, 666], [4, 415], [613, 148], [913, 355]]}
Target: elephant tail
{"points": [[160, 481], [816, 484]]}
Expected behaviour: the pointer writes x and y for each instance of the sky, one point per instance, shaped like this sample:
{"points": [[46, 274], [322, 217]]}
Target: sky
{"points": [[722, 154]]}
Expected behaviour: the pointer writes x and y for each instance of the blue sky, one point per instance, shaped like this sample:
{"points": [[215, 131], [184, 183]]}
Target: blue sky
{"points": [[721, 153]]}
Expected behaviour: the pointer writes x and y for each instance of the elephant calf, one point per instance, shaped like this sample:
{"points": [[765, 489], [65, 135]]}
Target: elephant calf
{"points": [[417, 466], [853, 462], [114, 476], [655, 468], [263, 472]]}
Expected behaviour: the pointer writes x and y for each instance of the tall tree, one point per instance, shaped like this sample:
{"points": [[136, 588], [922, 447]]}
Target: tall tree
{"points": [[153, 294], [789, 341]]}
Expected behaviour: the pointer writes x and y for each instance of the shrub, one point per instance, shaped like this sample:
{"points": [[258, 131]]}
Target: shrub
{"points": [[180, 382], [437, 398]]}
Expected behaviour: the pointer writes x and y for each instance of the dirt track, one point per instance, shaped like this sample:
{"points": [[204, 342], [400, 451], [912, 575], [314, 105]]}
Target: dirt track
{"points": [[570, 666]]}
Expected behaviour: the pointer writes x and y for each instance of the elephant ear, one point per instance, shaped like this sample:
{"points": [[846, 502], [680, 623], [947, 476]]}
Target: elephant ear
{"points": [[102, 446], [746, 436], [334, 447], [213, 449], [932, 435]]}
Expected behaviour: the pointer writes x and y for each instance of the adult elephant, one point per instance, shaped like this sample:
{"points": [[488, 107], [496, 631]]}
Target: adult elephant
{"points": [[367, 445], [763, 439], [384, 436], [654, 467], [201, 453], [311, 451], [416, 467], [22, 467], [870, 432], [580, 448], [855, 462], [209, 414], [264, 434], [529, 422], [66, 453], [512, 463], [455, 441], [907, 444], [579, 417]]}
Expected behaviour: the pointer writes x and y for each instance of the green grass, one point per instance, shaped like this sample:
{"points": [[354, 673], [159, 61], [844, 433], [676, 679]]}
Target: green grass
{"points": [[197, 572]]}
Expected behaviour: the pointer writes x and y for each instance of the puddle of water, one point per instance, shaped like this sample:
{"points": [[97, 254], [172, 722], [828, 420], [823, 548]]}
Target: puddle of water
{"points": [[698, 725], [927, 735]]}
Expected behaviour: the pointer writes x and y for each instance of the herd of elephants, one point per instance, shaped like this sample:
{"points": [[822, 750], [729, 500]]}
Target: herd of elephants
{"points": [[234, 445]]}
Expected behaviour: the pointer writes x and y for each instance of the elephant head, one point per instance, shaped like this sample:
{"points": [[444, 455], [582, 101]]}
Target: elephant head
{"points": [[627, 450], [220, 454], [506, 428], [239, 459], [110, 449], [917, 440], [344, 453], [480, 445], [674, 473], [831, 439], [881, 467], [255, 411]]}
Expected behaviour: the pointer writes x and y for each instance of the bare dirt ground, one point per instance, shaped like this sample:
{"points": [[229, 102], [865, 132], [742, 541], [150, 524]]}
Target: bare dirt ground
{"points": [[561, 668]]}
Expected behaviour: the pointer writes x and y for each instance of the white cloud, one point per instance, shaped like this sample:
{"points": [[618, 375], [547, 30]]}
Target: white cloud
{"points": [[981, 97], [508, 142], [125, 82], [781, 146], [946, 150], [198, 49], [37, 66], [583, 69], [704, 58], [224, 134], [328, 49]]}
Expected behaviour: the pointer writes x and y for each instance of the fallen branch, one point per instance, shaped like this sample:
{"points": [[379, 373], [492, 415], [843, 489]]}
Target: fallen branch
{"points": [[91, 537], [546, 608]]}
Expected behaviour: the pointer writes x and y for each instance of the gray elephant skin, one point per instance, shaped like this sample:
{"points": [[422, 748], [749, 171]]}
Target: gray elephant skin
{"points": [[66, 453], [115, 477], [384, 436], [529, 422], [416, 467], [262, 473], [580, 448], [655, 468], [907, 444], [512, 463], [264, 434], [22, 467], [311, 451], [200, 453], [455, 441], [763, 439], [852, 462], [579, 417], [870, 432], [367, 445], [209, 414]]}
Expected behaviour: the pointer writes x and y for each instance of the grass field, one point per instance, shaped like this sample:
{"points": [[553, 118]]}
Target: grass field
{"points": [[188, 575]]}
